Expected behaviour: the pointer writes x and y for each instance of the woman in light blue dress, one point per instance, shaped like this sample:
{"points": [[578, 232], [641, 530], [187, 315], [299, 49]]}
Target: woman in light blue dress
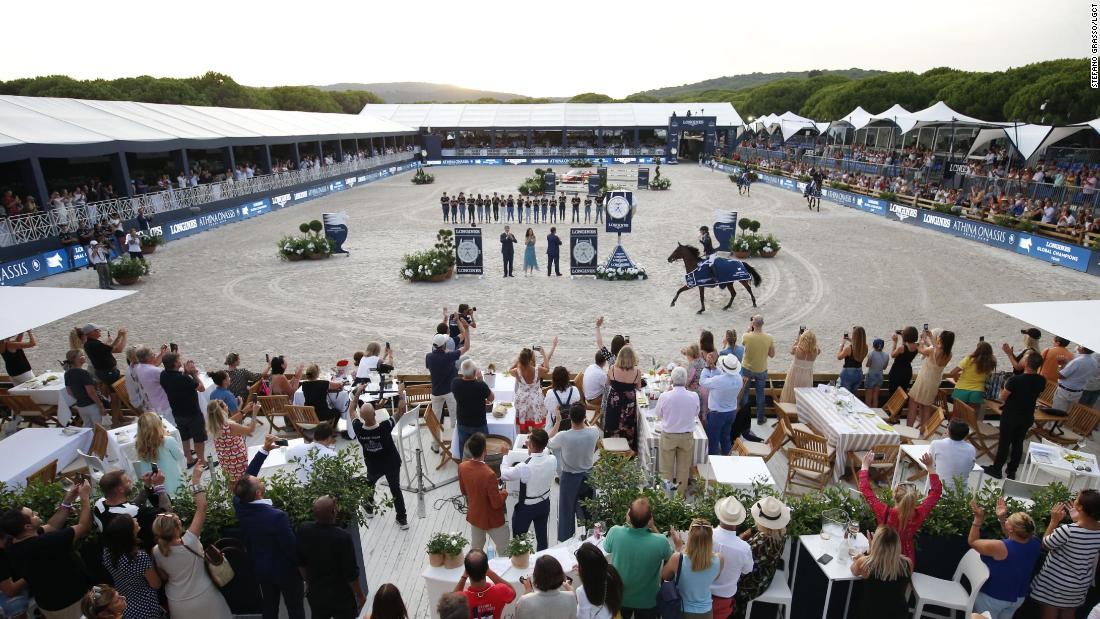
{"points": [[530, 263]]}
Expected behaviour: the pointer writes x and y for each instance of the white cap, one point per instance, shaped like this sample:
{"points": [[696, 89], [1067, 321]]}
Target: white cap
{"points": [[440, 340]]}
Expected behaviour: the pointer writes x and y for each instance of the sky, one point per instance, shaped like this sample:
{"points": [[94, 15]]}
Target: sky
{"points": [[543, 49]]}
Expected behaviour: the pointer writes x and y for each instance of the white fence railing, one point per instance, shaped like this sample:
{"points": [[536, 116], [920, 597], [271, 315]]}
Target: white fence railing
{"points": [[46, 224]]}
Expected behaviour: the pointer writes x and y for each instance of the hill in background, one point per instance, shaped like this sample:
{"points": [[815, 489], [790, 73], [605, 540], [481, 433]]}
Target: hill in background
{"points": [[748, 80], [417, 92]]}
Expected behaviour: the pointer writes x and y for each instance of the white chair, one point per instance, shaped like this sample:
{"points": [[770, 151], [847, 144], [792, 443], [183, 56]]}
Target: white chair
{"points": [[405, 430], [951, 593], [96, 467], [777, 593], [1021, 490]]}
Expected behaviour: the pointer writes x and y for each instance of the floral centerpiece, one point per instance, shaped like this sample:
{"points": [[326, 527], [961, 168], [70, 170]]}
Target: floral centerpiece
{"points": [[445, 549], [740, 246], [621, 274], [520, 548], [769, 246], [311, 245], [150, 241], [432, 265], [422, 178]]}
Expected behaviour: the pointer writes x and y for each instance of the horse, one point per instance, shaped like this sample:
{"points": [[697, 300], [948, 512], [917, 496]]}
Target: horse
{"points": [[690, 255]]}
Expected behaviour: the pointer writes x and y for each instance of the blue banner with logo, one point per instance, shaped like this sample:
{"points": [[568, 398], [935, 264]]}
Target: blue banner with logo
{"points": [[619, 259], [594, 185], [619, 211], [549, 183], [336, 230], [643, 178], [468, 251], [1094, 264], [725, 228], [583, 247], [1054, 251], [902, 213]]}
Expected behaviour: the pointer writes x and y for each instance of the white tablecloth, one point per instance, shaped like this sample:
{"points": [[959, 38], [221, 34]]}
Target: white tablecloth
{"points": [[1052, 458], [856, 431], [276, 459], [741, 471], [504, 387], [649, 439], [48, 394], [503, 426], [122, 448], [440, 580], [27, 451]]}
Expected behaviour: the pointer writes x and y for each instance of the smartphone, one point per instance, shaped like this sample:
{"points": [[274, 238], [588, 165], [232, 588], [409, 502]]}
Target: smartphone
{"points": [[267, 357], [627, 338], [282, 442], [387, 345], [801, 329], [898, 332], [845, 336], [880, 456], [926, 326], [172, 347], [156, 469], [981, 338], [824, 560]]}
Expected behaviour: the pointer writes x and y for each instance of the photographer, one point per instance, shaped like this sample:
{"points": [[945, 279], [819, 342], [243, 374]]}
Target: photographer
{"points": [[467, 314], [441, 365]]}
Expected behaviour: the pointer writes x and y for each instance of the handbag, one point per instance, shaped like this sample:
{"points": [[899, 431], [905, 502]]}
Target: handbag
{"points": [[219, 570], [669, 603]]}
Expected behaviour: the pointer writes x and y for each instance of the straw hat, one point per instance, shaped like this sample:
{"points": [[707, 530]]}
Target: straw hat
{"points": [[729, 510], [729, 364], [771, 512]]}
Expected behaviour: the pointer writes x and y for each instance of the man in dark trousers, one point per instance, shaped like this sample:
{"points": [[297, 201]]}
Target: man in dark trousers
{"points": [[381, 456], [576, 209], [496, 207], [561, 207], [508, 249], [535, 475], [553, 243], [326, 559], [445, 202], [270, 540], [1018, 395]]}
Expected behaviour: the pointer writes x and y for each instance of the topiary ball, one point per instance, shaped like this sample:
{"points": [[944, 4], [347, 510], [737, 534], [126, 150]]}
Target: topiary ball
{"points": [[303, 227], [316, 226]]}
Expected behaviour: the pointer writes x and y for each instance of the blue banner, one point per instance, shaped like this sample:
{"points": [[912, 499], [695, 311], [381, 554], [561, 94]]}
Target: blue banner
{"points": [[619, 259], [902, 213], [336, 230], [469, 251], [643, 178], [549, 183], [619, 211], [336, 186], [1094, 264], [583, 247], [594, 185], [1054, 251], [725, 228]]}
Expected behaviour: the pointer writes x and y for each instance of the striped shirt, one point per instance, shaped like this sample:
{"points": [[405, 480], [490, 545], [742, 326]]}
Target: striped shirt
{"points": [[1069, 568]]}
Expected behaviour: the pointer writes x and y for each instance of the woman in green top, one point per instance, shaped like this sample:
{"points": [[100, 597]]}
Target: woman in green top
{"points": [[971, 374]]}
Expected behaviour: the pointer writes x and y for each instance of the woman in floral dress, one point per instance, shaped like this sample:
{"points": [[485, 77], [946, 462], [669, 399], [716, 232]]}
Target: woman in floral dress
{"points": [[228, 434], [621, 408], [530, 407]]}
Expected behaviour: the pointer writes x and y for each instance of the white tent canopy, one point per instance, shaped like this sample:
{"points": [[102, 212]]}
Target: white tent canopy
{"points": [[49, 120], [940, 114], [1029, 140], [857, 118], [790, 123], [547, 115], [897, 115], [1074, 320], [28, 307]]}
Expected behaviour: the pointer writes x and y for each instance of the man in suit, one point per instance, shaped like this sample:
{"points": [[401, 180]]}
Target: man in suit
{"points": [[270, 540], [553, 243], [507, 249]]}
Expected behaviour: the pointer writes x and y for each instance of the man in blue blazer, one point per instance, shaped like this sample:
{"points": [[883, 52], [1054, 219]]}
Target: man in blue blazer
{"points": [[267, 533]]}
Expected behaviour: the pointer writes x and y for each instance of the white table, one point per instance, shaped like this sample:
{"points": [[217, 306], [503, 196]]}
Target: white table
{"points": [[914, 453], [440, 580], [1052, 458], [501, 426], [741, 471], [27, 451], [649, 439], [858, 430], [276, 459], [48, 394], [837, 570], [122, 445], [504, 387]]}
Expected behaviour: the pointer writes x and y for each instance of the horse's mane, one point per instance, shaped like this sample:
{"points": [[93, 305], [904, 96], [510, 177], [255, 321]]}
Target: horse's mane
{"points": [[692, 249]]}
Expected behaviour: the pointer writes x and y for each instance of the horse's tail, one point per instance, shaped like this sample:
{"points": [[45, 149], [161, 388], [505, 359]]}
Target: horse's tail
{"points": [[755, 274]]}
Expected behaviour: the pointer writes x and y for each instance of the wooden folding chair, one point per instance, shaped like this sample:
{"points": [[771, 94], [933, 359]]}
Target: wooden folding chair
{"points": [[812, 442], [436, 430], [250, 397], [895, 406], [125, 412], [1079, 424], [43, 475], [783, 412], [32, 412], [414, 379], [983, 436], [274, 407], [1046, 398], [883, 465], [923, 434], [302, 418], [763, 450], [416, 395], [809, 469]]}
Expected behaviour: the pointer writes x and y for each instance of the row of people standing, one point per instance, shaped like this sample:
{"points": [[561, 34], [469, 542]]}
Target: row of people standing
{"points": [[524, 209]]}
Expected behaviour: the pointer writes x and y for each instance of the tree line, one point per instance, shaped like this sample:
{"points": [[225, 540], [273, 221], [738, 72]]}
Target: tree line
{"points": [[211, 88]]}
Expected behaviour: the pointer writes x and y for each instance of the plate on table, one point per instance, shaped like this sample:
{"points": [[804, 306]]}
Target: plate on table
{"points": [[70, 431]]}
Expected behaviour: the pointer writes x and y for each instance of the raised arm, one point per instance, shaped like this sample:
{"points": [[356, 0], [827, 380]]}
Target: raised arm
{"points": [[877, 506], [57, 520], [84, 525], [199, 519], [599, 336], [465, 331], [546, 357]]}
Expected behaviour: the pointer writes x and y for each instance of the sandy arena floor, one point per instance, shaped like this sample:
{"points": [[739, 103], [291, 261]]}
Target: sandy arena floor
{"points": [[225, 290]]}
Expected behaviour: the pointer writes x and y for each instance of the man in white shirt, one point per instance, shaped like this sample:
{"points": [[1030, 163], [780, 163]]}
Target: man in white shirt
{"points": [[595, 378], [735, 552], [535, 475], [307, 453], [954, 457], [677, 409], [148, 377]]}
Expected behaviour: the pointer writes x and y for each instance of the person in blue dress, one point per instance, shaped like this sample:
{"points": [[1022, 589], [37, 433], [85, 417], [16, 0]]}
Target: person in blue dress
{"points": [[530, 263]]}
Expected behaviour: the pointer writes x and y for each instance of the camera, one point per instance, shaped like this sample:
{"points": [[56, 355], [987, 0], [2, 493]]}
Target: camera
{"points": [[801, 329], [898, 332], [626, 338], [845, 335], [981, 338], [172, 347], [282, 442], [926, 326], [156, 469]]}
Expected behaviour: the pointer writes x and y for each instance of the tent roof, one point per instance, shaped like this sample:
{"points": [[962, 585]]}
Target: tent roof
{"points": [[1073, 320], [547, 115], [1029, 140], [857, 118], [940, 114], [55, 121], [29, 307]]}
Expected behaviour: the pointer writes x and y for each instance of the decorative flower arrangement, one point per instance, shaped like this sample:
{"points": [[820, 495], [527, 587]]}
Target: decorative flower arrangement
{"points": [[422, 178], [660, 183], [519, 549], [621, 274], [446, 543], [127, 270], [312, 245], [432, 263]]}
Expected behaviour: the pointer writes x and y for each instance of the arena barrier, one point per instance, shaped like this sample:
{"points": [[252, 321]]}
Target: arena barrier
{"points": [[183, 223], [1053, 251]]}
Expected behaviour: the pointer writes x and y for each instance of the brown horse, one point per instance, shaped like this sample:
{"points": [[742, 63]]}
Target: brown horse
{"points": [[690, 255]]}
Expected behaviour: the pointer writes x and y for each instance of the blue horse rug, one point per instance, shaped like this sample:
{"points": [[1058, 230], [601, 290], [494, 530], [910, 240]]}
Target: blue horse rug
{"points": [[723, 271]]}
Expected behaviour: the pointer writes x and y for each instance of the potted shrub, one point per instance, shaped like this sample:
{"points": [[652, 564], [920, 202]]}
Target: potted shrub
{"points": [[150, 242], [740, 246], [520, 548], [754, 226], [126, 271], [432, 265], [769, 247], [422, 178], [445, 549]]}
